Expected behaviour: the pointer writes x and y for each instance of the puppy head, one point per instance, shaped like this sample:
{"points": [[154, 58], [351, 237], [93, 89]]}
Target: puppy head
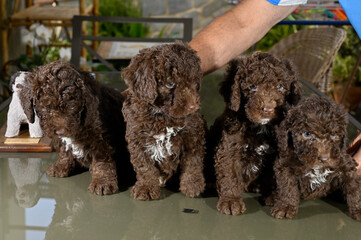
{"points": [[62, 98], [315, 130], [262, 86], [168, 77]]}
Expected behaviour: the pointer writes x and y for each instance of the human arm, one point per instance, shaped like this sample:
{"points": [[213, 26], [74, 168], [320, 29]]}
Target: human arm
{"points": [[355, 151], [235, 31]]}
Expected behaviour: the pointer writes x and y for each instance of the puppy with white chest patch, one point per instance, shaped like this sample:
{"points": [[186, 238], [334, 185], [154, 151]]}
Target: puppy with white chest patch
{"points": [[312, 158], [165, 132], [85, 122], [258, 90]]}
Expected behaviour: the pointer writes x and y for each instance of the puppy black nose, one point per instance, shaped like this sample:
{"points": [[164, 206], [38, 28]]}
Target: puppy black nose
{"points": [[268, 109]]}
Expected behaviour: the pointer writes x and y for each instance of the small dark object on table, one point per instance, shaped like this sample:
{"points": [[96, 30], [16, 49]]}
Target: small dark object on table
{"points": [[190, 210]]}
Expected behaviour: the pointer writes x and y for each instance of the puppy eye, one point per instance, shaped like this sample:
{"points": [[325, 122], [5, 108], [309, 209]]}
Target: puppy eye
{"points": [[307, 135], [253, 87], [170, 85], [334, 137], [280, 87]]}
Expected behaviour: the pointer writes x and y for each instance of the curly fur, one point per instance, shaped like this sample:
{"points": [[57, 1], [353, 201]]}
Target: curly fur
{"points": [[312, 157], [258, 90], [164, 129], [84, 120]]}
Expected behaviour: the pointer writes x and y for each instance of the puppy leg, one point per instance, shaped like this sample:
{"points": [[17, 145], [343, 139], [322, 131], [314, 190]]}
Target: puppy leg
{"points": [[103, 170], [65, 165], [147, 186], [287, 195], [352, 192], [228, 172], [192, 182], [104, 176]]}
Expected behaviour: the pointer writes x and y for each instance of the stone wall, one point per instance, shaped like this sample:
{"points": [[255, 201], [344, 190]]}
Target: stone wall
{"points": [[201, 11]]}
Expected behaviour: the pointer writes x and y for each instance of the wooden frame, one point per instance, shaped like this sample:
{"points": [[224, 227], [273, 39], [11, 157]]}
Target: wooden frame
{"points": [[49, 16], [79, 38]]}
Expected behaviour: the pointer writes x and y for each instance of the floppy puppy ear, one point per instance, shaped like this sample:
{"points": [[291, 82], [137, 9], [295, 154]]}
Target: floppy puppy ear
{"points": [[90, 103], [344, 122], [140, 78], [284, 135], [230, 86], [26, 101], [295, 89]]}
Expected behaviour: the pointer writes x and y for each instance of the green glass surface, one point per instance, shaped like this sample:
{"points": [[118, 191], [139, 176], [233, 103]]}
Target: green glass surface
{"points": [[35, 206]]}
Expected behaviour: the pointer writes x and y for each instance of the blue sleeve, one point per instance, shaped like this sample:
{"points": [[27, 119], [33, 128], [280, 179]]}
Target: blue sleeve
{"points": [[287, 2], [353, 9]]}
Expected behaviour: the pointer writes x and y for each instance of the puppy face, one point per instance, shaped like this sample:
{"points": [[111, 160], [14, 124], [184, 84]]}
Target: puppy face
{"points": [[263, 93], [63, 115], [60, 98], [262, 85], [168, 77], [317, 128], [178, 98]]}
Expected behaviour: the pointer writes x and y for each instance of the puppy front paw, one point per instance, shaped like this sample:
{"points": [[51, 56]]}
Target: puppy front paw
{"points": [[59, 170], [284, 212], [356, 215], [192, 188], [269, 200], [231, 206], [145, 192], [103, 187]]}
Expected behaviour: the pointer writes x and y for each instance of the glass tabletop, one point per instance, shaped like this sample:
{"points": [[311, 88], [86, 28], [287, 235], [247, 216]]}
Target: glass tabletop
{"points": [[35, 206]]}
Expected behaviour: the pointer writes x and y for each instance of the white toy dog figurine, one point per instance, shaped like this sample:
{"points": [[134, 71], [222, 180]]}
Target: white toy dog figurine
{"points": [[19, 104]]}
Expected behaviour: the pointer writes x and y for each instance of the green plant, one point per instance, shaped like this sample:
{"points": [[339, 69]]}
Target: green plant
{"points": [[279, 32], [38, 38], [124, 8], [346, 58]]}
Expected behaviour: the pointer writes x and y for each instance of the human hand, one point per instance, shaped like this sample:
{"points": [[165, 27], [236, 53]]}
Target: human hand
{"points": [[354, 149], [125, 93]]}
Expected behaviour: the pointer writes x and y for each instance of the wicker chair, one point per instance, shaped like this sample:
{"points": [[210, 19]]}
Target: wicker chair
{"points": [[312, 51]]}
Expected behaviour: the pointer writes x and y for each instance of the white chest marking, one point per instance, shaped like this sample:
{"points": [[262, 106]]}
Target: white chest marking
{"points": [[253, 169], [317, 177], [163, 145], [262, 149], [75, 148], [265, 121]]}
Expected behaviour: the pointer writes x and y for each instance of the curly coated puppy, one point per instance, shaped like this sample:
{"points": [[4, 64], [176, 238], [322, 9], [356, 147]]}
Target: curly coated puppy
{"points": [[164, 129], [258, 90], [84, 120], [312, 158]]}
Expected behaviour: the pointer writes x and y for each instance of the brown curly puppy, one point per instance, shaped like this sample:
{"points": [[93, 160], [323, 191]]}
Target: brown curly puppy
{"points": [[312, 157], [84, 119], [164, 129], [258, 90]]}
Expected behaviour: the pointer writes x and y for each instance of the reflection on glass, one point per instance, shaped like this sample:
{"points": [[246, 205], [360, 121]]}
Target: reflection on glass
{"points": [[26, 174]]}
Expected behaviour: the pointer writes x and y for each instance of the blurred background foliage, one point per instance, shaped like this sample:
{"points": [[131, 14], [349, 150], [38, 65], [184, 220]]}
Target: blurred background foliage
{"points": [[347, 55], [124, 8]]}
